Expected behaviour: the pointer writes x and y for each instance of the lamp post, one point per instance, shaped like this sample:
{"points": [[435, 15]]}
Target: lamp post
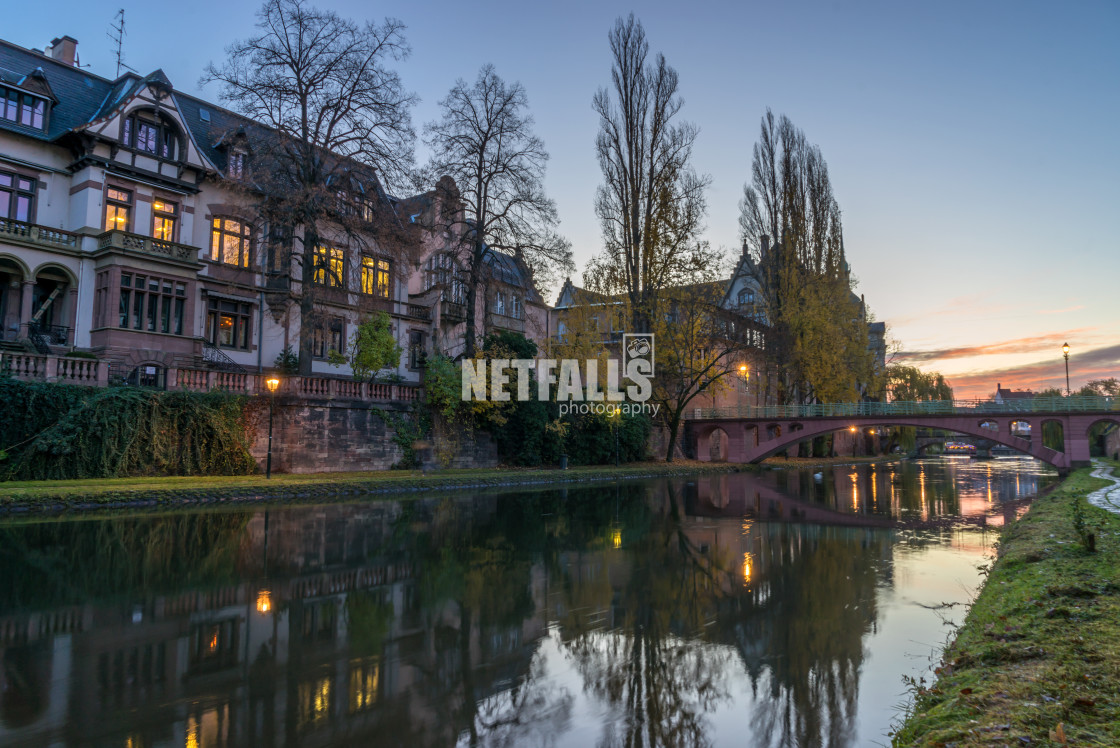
{"points": [[1065, 354], [852, 429], [272, 383], [616, 417]]}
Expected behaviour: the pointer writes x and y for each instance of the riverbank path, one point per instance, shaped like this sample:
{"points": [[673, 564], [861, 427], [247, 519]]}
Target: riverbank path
{"points": [[1109, 496]]}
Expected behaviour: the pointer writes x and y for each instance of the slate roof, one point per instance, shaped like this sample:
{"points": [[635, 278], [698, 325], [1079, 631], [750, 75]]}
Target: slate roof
{"points": [[512, 270], [79, 93]]}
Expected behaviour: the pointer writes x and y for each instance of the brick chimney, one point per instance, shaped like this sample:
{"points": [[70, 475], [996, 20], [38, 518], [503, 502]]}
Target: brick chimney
{"points": [[64, 49], [765, 244]]}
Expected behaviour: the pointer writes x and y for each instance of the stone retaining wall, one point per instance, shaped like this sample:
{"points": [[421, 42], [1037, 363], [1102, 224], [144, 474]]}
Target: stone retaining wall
{"points": [[320, 435]]}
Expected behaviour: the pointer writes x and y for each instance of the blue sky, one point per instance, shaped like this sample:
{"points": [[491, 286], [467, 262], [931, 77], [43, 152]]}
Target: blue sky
{"points": [[973, 146]]}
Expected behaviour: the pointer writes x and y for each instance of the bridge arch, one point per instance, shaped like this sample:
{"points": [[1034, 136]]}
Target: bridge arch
{"points": [[1115, 420], [749, 452]]}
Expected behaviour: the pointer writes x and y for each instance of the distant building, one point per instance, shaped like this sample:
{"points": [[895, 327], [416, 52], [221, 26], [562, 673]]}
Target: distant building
{"points": [[1008, 395]]}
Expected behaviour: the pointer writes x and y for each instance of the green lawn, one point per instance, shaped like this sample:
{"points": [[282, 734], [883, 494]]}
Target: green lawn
{"points": [[1037, 661], [122, 488]]}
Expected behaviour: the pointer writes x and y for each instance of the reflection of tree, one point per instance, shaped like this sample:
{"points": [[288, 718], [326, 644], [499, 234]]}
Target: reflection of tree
{"points": [[654, 667], [800, 631], [61, 562], [475, 597]]}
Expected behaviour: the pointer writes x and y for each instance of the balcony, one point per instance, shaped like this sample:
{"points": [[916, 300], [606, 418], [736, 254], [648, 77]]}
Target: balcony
{"points": [[419, 311], [124, 241], [35, 235], [449, 311], [506, 322]]}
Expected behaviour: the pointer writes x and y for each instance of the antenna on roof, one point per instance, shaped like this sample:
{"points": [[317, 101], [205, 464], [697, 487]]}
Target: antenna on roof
{"points": [[119, 40]]}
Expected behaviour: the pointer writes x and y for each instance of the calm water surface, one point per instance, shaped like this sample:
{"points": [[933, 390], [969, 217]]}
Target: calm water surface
{"points": [[741, 610]]}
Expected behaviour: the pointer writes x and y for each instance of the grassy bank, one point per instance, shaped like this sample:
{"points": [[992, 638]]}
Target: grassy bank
{"points": [[53, 496], [1037, 661]]}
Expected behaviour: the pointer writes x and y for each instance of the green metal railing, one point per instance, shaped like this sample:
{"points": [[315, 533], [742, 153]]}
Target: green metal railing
{"points": [[1076, 404]]}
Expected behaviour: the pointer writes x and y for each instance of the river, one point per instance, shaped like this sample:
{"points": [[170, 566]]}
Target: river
{"points": [[775, 609]]}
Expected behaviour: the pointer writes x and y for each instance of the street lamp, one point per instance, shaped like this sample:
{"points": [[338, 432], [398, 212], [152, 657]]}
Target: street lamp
{"points": [[1065, 354], [853, 430], [616, 418], [272, 383]]}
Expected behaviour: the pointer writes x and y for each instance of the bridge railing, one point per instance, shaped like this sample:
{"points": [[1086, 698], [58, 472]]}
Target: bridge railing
{"points": [[1075, 404]]}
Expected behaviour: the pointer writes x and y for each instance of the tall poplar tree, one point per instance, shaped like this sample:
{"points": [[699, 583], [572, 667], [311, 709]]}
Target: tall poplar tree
{"points": [[651, 204]]}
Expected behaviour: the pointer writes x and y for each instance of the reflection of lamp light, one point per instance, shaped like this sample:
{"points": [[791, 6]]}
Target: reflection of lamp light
{"points": [[264, 601], [746, 568], [616, 538]]}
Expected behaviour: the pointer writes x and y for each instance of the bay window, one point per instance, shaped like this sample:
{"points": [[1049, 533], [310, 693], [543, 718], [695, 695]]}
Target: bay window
{"points": [[152, 304]]}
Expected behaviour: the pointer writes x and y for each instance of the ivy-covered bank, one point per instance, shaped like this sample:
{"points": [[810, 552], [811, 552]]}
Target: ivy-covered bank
{"points": [[57, 431], [61, 496], [1037, 661]]}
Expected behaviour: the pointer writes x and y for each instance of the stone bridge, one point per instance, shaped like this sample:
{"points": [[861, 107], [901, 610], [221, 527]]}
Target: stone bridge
{"points": [[753, 434]]}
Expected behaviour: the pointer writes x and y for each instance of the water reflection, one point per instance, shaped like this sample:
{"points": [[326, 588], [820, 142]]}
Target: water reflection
{"points": [[734, 609]]}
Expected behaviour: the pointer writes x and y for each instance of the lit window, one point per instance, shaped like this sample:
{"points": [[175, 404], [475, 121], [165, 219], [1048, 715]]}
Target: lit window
{"points": [[229, 324], [330, 265], [231, 241], [118, 209], [375, 277], [164, 219]]}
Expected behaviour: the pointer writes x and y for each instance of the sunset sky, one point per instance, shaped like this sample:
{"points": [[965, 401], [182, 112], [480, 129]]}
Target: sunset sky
{"points": [[973, 146]]}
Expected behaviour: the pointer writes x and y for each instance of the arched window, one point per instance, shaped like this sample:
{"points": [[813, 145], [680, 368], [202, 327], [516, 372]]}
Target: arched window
{"points": [[150, 132]]}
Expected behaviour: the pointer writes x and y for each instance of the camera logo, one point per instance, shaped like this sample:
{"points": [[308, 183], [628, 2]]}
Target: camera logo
{"points": [[637, 347]]}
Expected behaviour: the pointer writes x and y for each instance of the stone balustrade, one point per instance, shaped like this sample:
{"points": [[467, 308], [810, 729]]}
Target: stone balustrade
{"points": [[34, 234], [30, 366], [95, 373]]}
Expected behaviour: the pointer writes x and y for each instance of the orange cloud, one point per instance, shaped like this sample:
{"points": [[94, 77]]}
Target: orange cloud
{"points": [[1100, 363], [1050, 341]]}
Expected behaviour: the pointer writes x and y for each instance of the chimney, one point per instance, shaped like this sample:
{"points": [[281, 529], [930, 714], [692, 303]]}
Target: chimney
{"points": [[744, 250], [64, 49], [765, 244]]}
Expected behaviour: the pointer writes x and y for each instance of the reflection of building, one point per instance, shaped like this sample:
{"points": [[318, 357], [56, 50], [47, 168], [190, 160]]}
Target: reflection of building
{"points": [[405, 622], [331, 640]]}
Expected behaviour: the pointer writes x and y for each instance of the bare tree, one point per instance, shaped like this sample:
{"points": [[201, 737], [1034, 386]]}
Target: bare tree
{"points": [[651, 204], [334, 133], [484, 141], [700, 348]]}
